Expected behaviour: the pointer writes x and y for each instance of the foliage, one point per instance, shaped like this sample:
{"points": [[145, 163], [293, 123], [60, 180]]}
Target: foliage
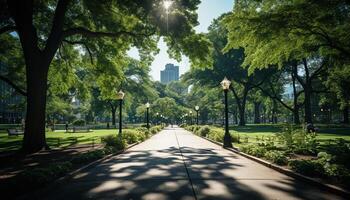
{"points": [[204, 131], [254, 150], [307, 167], [298, 140], [79, 122], [113, 141], [278, 157], [41, 176], [88, 156]]}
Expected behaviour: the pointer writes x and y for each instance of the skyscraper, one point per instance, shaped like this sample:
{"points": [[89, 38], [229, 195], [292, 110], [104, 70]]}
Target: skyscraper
{"points": [[170, 73], [11, 104]]}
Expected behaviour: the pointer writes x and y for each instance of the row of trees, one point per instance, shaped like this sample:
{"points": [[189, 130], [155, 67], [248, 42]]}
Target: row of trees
{"points": [[264, 46], [65, 38]]}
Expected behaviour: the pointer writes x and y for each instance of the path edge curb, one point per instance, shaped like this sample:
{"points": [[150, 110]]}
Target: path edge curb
{"points": [[331, 188]]}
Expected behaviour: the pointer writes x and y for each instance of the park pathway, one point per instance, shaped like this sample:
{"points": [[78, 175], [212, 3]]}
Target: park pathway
{"points": [[176, 164]]}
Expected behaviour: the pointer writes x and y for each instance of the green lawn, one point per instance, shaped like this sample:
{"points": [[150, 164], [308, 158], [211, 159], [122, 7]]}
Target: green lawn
{"points": [[56, 139], [325, 133]]}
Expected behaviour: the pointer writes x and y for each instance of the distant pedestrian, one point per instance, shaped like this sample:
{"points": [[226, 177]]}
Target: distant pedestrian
{"points": [[107, 125]]}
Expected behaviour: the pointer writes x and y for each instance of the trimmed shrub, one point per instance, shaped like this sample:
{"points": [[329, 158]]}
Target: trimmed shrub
{"points": [[254, 150], [79, 122], [114, 141], [216, 134], [277, 157], [204, 131], [307, 167], [132, 136]]}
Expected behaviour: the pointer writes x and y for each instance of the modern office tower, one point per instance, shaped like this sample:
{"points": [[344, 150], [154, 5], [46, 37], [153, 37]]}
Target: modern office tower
{"points": [[11, 103], [170, 73]]}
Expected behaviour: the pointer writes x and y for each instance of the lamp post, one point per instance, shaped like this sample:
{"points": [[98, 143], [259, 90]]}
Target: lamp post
{"points": [[157, 119], [197, 109], [191, 117], [147, 114], [120, 97], [227, 138]]}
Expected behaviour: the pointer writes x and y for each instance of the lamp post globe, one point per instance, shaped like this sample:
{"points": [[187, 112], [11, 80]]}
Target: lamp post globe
{"points": [[120, 97], [197, 110], [225, 83]]}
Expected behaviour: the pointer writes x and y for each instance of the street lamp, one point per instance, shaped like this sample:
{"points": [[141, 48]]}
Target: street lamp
{"points": [[191, 117], [147, 114], [120, 97], [197, 109], [157, 118], [227, 138]]}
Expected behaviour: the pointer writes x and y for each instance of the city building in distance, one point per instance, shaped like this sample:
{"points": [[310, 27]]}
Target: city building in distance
{"points": [[170, 73]]}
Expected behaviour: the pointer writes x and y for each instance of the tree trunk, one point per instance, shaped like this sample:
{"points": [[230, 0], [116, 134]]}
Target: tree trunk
{"points": [[274, 112], [113, 111], [307, 104], [257, 112], [242, 112], [296, 118], [34, 135], [346, 115]]}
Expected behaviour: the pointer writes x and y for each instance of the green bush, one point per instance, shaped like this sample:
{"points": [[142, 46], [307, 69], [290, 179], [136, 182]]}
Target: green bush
{"points": [[132, 136], [277, 157], [216, 134], [113, 141], [79, 122], [41, 176], [254, 150], [341, 152], [195, 129], [307, 167], [204, 131], [298, 140], [235, 137], [88, 156], [155, 129]]}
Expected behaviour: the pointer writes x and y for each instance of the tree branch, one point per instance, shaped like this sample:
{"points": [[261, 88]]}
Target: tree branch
{"points": [[6, 29], [13, 85], [55, 36], [84, 44], [88, 33]]}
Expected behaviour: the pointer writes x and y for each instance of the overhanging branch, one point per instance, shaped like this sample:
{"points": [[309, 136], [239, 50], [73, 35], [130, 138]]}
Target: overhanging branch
{"points": [[88, 33], [7, 29], [13, 85], [84, 44]]}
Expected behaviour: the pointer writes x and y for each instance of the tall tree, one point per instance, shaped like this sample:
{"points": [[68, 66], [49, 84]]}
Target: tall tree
{"points": [[42, 27]]}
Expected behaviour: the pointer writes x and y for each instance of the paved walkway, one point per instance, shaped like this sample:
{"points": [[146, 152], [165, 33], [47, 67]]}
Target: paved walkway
{"points": [[176, 164]]}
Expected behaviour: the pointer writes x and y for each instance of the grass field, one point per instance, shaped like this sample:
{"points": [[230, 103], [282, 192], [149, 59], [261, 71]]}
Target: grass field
{"points": [[56, 139], [324, 133]]}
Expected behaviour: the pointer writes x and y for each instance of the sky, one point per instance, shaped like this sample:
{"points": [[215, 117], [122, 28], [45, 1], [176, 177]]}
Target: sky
{"points": [[207, 11]]}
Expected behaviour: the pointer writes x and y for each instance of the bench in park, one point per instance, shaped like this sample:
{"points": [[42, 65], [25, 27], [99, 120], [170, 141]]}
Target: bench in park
{"points": [[16, 132]]}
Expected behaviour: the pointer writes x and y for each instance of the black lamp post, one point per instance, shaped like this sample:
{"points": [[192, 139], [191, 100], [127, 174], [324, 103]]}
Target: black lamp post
{"points": [[147, 114], [120, 97], [197, 109], [227, 138], [157, 118], [191, 117]]}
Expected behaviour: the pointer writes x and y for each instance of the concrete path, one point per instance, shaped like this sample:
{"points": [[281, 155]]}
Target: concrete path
{"points": [[176, 164]]}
